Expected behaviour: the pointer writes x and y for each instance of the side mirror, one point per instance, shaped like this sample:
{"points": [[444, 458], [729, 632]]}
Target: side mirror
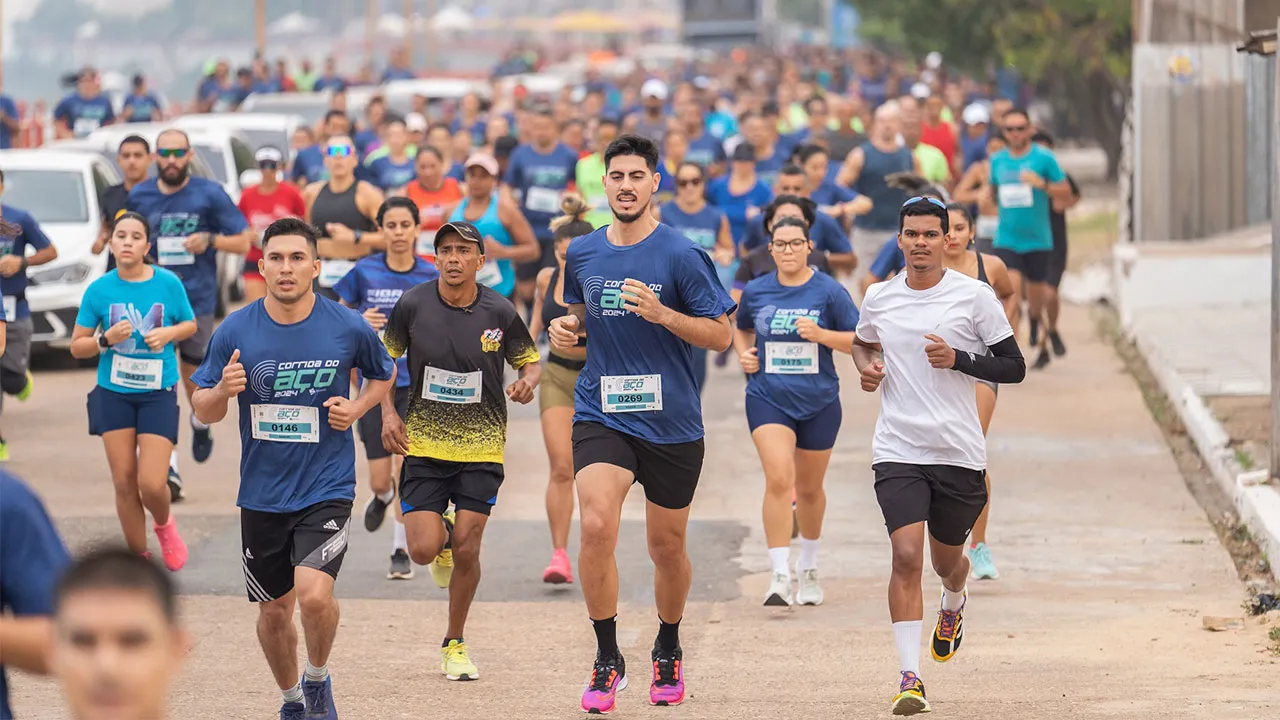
{"points": [[250, 177]]}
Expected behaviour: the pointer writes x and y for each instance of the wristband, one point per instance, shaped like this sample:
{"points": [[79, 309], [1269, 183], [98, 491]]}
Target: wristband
{"points": [[102, 341]]}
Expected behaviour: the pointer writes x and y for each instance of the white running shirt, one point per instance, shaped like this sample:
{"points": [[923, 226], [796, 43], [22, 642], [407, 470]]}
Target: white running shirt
{"points": [[930, 416]]}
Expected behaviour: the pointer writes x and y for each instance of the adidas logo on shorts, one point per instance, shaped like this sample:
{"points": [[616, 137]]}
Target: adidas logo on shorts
{"points": [[331, 525]]}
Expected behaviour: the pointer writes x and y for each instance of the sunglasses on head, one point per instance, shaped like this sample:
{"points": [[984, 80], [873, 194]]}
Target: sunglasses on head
{"points": [[339, 151], [687, 182], [172, 152], [925, 198]]}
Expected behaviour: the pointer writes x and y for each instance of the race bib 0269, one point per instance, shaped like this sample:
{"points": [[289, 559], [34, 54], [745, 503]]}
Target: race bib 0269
{"points": [[630, 393]]}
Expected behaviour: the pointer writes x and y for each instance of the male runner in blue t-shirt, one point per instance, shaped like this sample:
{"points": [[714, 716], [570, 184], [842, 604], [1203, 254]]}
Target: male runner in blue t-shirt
{"points": [[287, 361], [192, 220], [646, 295]]}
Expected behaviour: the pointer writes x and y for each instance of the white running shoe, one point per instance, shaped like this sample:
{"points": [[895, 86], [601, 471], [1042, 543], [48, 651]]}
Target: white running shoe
{"points": [[809, 591], [779, 591]]}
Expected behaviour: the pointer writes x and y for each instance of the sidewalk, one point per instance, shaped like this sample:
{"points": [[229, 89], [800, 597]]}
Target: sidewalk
{"points": [[1200, 313]]}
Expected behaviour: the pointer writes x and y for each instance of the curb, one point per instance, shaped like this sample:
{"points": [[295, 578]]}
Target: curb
{"points": [[1257, 504]]}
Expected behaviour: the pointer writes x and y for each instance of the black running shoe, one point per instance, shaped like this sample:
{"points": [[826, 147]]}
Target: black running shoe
{"points": [[1042, 361], [201, 444], [1056, 341], [375, 511], [175, 486], [1034, 339]]}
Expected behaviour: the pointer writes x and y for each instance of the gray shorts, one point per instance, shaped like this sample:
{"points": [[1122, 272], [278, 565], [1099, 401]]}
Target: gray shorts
{"points": [[192, 350], [17, 354]]}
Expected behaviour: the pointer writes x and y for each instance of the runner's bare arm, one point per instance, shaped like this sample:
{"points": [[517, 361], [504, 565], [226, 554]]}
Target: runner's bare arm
{"points": [[375, 392], [541, 283], [852, 168], [369, 198], [998, 272], [83, 343], [838, 340], [237, 244], [969, 189], [526, 248], [210, 404], [42, 256], [565, 332], [25, 642], [865, 353]]}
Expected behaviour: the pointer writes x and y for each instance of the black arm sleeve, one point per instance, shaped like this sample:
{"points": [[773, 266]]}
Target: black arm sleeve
{"points": [[1004, 365]]}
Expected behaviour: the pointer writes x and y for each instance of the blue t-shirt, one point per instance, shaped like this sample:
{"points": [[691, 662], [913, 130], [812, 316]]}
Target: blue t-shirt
{"points": [[388, 175], [83, 115], [889, 261], [365, 141], [160, 301], [294, 366], [32, 559], [201, 206], [722, 125], [771, 310], [829, 193], [1024, 210], [625, 344], [309, 165], [478, 130], [10, 110], [541, 179], [145, 107], [767, 168], [31, 236], [333, 82], [705, 150], [371, 284], [735, 207], [702, 227], [826, 234]]}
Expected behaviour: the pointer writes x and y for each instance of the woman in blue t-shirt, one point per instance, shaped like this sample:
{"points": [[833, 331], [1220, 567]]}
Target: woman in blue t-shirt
{"points": [[144, 313], [740, 195], [789, 322]]}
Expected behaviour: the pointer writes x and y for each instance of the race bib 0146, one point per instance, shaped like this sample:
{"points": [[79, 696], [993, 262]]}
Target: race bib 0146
{"points": [[286, 423]]}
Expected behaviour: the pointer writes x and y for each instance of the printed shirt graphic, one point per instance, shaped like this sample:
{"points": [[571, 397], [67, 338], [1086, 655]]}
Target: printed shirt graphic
{"points": [[771, 310], [625, 344], [201, 206], [371, 284], [82, 115], [540, 179], [1024, 211], [16, 287], [158, 302], [300, 365], [454, 341]]}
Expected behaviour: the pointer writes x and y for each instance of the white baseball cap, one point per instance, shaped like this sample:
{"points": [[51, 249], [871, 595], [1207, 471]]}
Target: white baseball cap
{"points": [[976, 114], [654, 88], [415, 122], [268, 154], [920, 91]]}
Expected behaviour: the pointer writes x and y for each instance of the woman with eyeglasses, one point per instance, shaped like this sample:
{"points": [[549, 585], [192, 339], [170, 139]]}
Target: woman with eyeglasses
{"points": [[344, 209], [789, 323], [703, 224], [144, 313]]}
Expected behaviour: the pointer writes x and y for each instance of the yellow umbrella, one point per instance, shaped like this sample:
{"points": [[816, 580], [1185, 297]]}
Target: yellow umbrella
{"points": [[590, 21]]}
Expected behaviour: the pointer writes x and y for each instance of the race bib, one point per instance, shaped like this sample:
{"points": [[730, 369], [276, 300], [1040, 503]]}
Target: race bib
{"points": [[543, 200], [10, 308], [451, 387], [136, 373], [705, 239], [331, 271], [987, 226], [85, 125], [791, 358], [286, 423], [490, 275], [630, 393], [426, 244], [1016, 195], [173, 251]]}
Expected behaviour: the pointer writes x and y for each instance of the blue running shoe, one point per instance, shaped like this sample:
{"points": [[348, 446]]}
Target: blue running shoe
{"points": [[982, 567], [319, 697], [293, 711], [201, 444]]}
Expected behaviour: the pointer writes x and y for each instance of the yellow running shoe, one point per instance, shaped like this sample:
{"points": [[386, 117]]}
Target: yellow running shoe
{"points": [[442, 567], [455, 664], [25, 392], [4, 451], [910, 698]]}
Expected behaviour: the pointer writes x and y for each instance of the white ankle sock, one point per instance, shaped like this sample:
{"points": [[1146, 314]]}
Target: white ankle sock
{"points": [[197, 424], [316, 674], [173, 460], [388, 496], [293, 694], [952, 600], [779, 559], [399, 542], [907, 636], [808, 554]]}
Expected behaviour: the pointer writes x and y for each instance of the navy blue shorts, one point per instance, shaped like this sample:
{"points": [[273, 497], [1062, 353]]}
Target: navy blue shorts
{"points": [[149, 413], [817, 433]]}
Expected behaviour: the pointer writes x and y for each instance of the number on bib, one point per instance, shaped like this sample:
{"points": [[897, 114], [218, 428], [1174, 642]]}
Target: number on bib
{"points": [[286, 423], [172, 250], [791, 358], [543, 200], [137, 373], [630, 393], [10, 308], [331, 271], [1016, 195], [451, 387]]}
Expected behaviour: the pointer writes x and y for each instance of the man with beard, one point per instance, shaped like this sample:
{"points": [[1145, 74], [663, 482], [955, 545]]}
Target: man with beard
{"points": [[646, 295], [192, 219], [287, 361]]}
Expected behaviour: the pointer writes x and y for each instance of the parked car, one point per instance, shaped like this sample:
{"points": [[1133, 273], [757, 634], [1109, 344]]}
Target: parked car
{"points": [[312, 106], [62, 191], [260, 129]]}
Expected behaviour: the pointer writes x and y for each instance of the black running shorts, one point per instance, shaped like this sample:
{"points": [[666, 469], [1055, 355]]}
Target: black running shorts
{"points": [[668, 473], [947, 497], [1034, 266], [370, 426], [273, 544], [429, 484]]}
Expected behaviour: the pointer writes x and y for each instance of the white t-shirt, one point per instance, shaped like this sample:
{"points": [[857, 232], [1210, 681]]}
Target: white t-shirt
{"points": [[930, 416]]}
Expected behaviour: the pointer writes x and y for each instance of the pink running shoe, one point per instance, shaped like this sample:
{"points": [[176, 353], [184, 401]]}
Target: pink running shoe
{"points": [[608, 677], [172, 549], [560, 571], [668, 677]]}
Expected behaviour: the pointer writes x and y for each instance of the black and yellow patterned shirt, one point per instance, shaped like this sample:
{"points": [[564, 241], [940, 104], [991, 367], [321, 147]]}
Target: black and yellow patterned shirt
{"points": [[457, 402]]}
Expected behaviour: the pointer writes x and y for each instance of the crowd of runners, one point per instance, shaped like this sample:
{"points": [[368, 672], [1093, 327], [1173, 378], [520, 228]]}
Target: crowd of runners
{"points": [[404, 286]]}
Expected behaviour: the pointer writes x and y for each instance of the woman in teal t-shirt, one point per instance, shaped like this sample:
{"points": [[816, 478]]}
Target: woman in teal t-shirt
{"points": [[144, 313]]}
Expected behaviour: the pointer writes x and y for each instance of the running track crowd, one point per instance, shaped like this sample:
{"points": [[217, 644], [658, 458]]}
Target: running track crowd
{"points": [[641, 227]]}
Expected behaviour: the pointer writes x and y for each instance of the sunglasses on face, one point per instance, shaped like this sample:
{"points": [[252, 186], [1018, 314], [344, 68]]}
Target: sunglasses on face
{"points": [[268, 165], [167, 153], [925, 198], [1015, 128], [688, 182], [339, 151]]}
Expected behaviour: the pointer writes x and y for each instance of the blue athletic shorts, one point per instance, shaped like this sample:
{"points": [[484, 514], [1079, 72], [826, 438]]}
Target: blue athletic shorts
{"points": [[817, 433], [149, 413]]}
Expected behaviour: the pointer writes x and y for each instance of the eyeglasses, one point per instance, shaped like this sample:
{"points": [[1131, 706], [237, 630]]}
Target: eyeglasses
{"points": [[339, 151], [1016, 128], [925, 198], [269, 165], [167, 153], [793, 245], [687, 182]]}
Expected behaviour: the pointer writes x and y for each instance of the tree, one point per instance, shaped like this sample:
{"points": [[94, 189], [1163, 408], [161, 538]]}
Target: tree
{"points": [[1081, 48]]}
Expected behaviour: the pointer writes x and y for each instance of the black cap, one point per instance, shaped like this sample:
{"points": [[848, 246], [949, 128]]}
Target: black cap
{"points": [[745, 152], [464, 230]]}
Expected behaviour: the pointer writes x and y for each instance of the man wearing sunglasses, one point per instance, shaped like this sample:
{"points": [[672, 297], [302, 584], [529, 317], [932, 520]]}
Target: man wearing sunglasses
{"points": [[309, 166], [193, 219], [1027, 180]]}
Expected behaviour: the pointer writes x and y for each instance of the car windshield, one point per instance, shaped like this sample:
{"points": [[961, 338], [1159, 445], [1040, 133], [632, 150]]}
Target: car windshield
{"points": [[51, 196], [215, 159]]}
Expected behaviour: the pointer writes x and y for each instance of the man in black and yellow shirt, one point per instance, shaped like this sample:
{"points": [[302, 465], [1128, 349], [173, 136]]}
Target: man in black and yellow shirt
{"points": [[459, 337]]}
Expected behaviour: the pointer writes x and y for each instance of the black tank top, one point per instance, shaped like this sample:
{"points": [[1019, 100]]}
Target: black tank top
{"points": [[552, 309], [341, 208], [982, 270]]}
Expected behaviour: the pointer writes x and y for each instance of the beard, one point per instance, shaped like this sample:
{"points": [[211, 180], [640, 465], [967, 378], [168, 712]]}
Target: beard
{"points": [[628, 218], [175, 175]]}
